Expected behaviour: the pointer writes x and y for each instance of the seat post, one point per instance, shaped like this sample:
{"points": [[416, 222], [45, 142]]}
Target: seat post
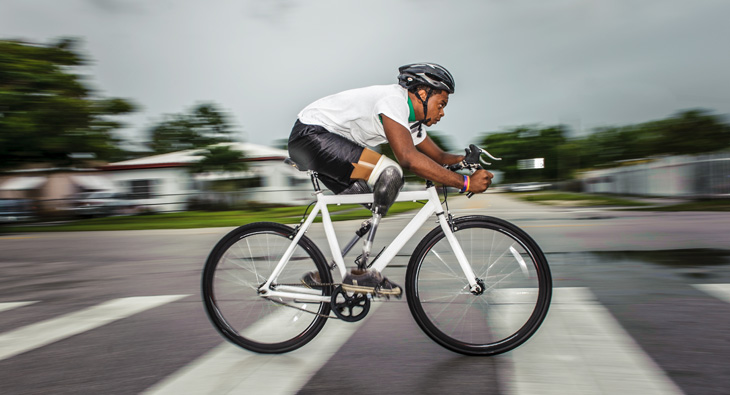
{"points": [[315, 180], [312, 173]]}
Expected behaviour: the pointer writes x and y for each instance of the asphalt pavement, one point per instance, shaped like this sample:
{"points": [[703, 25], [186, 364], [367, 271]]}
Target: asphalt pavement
{"points": [[641, 306]]}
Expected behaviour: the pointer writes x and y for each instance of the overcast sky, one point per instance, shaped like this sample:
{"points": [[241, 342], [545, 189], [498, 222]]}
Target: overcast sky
{"points": [[583, 63]]}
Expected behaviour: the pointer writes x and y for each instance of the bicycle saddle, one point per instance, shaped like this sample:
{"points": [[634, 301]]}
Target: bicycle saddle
{"points": [[290, 162]]}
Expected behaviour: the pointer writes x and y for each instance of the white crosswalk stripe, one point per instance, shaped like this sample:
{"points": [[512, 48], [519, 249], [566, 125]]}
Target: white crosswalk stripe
{"points": [[5, 306], [720, 291], [228, 369], [49, 331], [582, 349]]}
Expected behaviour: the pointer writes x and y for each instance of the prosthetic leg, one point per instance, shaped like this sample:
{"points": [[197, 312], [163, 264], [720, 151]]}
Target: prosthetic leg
{"points": [[381, 175], [386, 181]]}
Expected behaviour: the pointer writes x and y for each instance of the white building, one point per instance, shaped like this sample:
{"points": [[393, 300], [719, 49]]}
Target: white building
{"points": [[698, 176], [164, 182], [51, 189]]}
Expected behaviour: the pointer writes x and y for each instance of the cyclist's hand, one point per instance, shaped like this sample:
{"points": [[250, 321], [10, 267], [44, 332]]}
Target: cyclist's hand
{"points": [[472, 154], [480, 181]]}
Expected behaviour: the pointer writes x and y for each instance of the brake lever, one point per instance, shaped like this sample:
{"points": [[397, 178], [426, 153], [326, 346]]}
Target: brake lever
{"points": [[482, 151], [473, 167], [485, 152]]}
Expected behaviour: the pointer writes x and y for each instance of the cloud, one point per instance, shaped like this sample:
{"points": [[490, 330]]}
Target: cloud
{"points": [[583, 62], [273, 11], [117, 7]]}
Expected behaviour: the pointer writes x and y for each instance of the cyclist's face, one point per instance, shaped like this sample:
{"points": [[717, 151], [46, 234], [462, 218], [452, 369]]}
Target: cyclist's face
{"points": [[436, 105]]}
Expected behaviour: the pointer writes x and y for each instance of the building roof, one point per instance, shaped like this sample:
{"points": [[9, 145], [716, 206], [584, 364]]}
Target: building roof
{"points": [[22, 183], [252, 152]]}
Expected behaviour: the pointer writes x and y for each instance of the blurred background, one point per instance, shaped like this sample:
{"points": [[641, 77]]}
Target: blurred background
{"points": [[609, 94], [175, 114]]}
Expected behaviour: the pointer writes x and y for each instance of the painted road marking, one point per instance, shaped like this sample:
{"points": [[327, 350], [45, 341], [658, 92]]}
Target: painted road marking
{"points": [[720, 291], [228, 369], [582, 349], [5, 306], [46, 332]]}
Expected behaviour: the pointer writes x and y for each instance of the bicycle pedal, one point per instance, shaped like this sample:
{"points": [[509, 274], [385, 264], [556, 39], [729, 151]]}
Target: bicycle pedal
{"points": [[387, 296]]}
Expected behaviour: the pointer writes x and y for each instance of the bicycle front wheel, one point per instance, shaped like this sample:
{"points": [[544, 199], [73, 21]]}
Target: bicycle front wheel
{"points": [[243, 261], [512, 271]]}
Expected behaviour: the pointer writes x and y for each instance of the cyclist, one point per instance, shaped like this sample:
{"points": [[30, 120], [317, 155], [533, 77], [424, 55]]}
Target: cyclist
{"points": [[332, 134]]}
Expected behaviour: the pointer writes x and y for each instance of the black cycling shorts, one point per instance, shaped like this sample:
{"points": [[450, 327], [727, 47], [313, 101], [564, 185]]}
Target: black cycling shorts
{"points": [[313, 147]]}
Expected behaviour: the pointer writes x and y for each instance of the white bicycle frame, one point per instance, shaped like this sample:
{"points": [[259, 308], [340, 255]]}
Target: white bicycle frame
{"points": [[433, 206]]}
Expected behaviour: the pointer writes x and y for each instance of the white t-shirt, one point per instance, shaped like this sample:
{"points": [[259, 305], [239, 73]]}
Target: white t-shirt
{"points": [[355, 114]]}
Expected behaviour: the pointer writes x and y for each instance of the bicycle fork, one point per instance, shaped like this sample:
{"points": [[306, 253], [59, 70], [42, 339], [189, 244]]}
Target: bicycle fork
{"points": [[474, 283]]}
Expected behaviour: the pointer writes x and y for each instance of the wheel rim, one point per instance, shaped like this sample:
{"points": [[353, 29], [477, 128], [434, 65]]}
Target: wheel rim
{"points": [[242, 314], [499, 318]]}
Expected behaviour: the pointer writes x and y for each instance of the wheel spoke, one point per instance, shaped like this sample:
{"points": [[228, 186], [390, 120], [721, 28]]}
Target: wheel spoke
{"points": [[512, 304], [235, 270]]}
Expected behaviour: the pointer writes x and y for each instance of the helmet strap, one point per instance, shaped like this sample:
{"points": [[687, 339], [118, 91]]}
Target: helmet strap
{"points": [[425, 113]]}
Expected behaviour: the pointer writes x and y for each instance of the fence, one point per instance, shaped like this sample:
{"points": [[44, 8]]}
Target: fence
{"points": [[702, 176], [126, 204], [24, 210]]}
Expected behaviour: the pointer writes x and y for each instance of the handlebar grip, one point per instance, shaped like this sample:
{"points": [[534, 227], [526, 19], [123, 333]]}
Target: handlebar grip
{"points": [[469, 194]]}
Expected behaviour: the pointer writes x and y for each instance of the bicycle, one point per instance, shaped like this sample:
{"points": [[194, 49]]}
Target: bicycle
{"points": [[476, 285]]}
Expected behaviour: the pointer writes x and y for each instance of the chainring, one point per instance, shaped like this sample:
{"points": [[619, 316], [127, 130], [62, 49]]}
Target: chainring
{"points": [[350, 307]]}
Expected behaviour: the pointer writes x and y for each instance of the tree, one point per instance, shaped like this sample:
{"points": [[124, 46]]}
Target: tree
{"points": [[528, 143], [687, 132], [220, 158], [204, 125], [693, 132], [48, 111]]}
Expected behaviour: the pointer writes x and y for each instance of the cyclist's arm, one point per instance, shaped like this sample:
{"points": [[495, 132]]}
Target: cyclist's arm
{"points": [[434, 152], [414, 160]]}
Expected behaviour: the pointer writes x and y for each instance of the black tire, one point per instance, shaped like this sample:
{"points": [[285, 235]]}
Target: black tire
{"points": [[516, 278], [238, 265]]}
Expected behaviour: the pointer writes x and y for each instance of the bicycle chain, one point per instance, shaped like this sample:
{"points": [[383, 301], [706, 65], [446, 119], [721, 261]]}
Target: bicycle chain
{"points": [[302, 285], [299, 308]]}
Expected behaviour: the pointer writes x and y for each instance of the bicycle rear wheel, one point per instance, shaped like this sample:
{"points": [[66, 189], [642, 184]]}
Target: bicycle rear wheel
{"points": [[238, 265], [512, 270]]}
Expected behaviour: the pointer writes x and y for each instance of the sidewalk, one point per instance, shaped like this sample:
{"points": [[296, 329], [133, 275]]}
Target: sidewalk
{"points": [[512, 208]]}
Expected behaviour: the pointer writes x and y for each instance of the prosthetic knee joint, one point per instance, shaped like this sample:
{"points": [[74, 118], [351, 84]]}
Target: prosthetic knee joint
{"points": [[386, 181]]}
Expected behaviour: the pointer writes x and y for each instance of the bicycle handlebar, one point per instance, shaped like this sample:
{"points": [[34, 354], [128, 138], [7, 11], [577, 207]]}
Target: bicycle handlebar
{"points": [[473, 166]]}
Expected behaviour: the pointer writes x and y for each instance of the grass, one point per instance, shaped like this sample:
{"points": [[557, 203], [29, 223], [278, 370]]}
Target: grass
{"points": [[205, 219], [576, 199], [291, 215]]}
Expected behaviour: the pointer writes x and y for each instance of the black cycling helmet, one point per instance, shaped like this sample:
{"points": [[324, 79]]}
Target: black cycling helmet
{"points": [[430, 74]]}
